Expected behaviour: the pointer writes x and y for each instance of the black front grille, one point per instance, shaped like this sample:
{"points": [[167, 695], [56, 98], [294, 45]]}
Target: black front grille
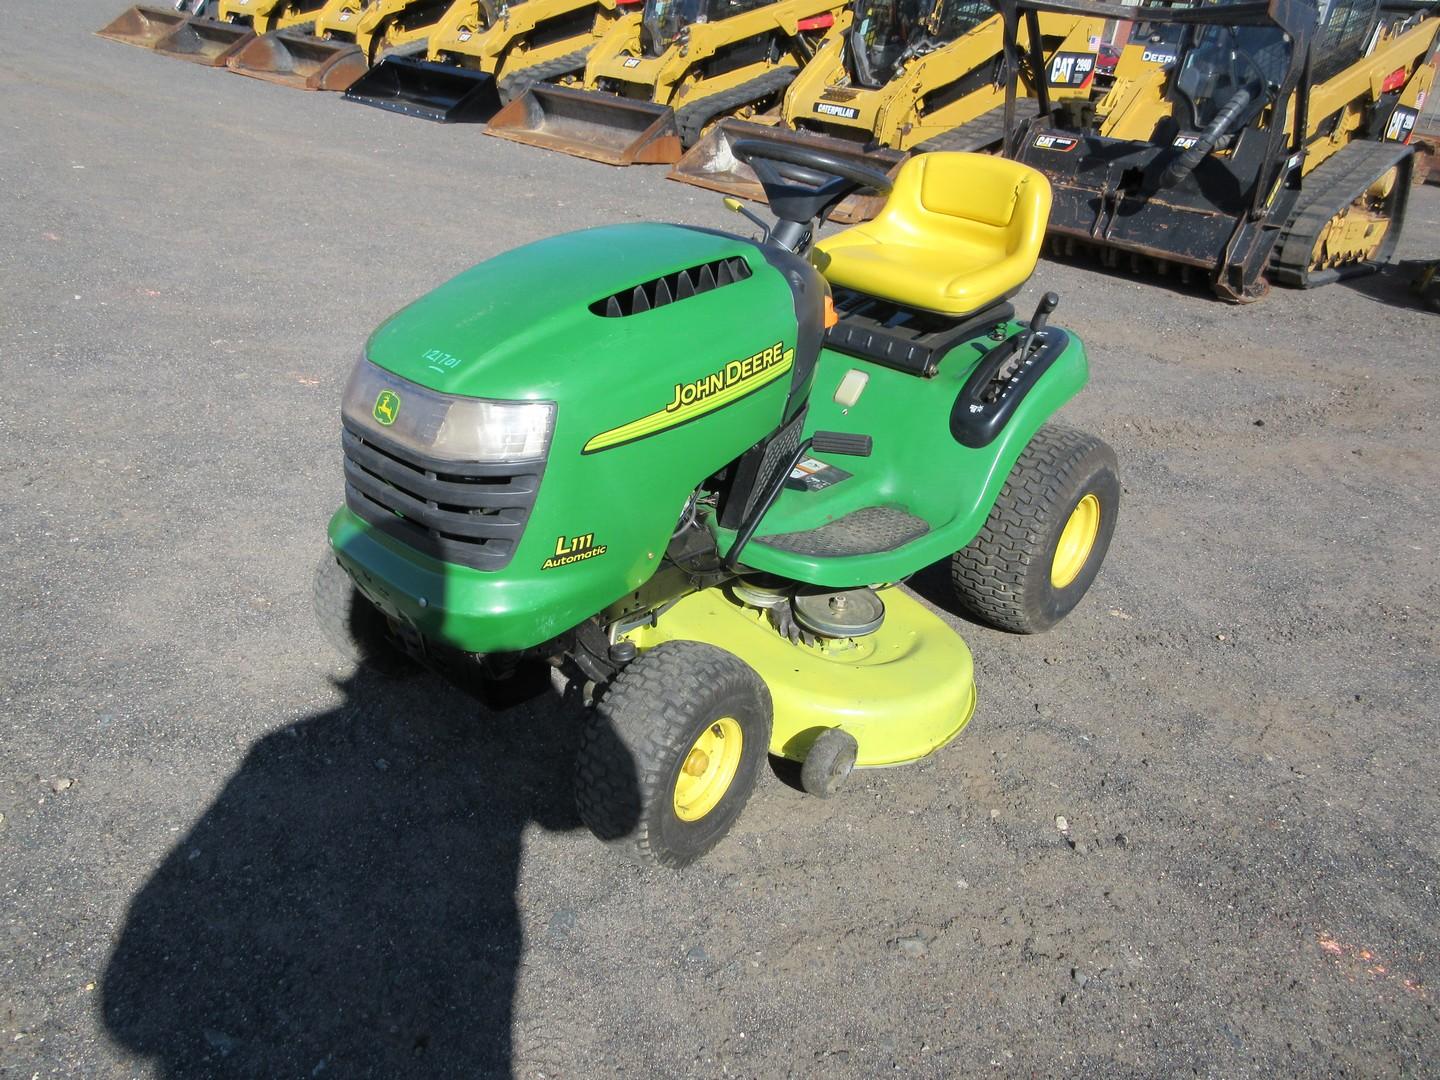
{"points": [[461, 513]]}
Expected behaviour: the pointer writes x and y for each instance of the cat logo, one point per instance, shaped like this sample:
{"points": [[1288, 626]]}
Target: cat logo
{"points": [[1401, 125], [1071, 69], [387, 407], [1061, 143]]}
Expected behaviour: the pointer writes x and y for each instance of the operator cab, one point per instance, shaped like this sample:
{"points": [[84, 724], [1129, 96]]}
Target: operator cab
{"points": [[664, 22], [888, 33]]}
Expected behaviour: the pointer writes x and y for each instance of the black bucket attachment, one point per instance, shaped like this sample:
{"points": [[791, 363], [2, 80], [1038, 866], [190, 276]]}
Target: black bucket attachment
{"points": [[711, 163], [301, 61], [615, 130], [142, 26], [204, 41], [431, 91]]}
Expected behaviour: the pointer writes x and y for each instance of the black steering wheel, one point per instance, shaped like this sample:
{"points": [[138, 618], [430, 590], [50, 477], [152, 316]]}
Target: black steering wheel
{"points": [[801, 183]]}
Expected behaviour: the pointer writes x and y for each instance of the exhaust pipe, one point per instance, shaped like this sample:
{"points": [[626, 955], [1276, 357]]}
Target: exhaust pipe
{"points": [[300, 60], [142, 26], [204, 41], [711, 163], [588, 124], [431, 91]]}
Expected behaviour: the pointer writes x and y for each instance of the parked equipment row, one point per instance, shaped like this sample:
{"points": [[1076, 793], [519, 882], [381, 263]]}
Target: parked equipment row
{"points": [[1246, 142]]}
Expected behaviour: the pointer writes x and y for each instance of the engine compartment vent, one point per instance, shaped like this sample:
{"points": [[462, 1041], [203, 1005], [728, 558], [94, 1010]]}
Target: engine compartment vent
{"points": [[680, 285]]}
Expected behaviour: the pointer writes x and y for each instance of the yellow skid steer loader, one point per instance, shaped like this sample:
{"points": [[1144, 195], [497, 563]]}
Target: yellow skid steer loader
{"points": [[330, 46], [484, 52], [1276, 147], [906, 75], [663, 74]]}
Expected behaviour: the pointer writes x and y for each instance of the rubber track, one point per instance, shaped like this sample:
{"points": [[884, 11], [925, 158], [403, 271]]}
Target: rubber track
{"points": [[692, 119], [983, 132], [1343, 179], [632, 730], [512, 86], [990, 574]]}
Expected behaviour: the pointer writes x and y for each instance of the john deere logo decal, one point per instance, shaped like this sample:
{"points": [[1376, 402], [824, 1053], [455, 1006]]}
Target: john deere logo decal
{"points": [[690, 400], [387, 407]]}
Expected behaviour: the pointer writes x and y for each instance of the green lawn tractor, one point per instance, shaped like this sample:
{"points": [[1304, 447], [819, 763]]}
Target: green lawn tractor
{"points": [[691, 470]]}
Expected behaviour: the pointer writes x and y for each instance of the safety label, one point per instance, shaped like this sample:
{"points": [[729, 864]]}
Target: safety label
{"points": [[812, 475]]}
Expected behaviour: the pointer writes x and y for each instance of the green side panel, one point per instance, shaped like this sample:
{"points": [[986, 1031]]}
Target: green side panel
{"points": [[916, 465], [902, 692], [519, 327]]}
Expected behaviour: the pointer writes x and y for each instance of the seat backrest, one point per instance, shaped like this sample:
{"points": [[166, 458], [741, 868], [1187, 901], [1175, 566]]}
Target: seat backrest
{"points": [[974, 198]]}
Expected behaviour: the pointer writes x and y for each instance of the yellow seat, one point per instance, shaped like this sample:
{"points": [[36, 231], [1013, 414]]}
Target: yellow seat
{"points": [[958, 233]]}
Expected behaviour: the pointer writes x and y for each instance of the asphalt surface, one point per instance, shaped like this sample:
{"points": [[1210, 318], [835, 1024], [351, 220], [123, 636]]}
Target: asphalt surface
{"points": [[223, 853]]}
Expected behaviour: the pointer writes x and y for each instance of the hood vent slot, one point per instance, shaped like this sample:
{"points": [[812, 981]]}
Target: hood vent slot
{"points": [[672, 287]]}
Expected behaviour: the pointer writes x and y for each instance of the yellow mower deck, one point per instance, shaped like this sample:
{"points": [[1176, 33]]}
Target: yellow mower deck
{"points": [[903, 692]]}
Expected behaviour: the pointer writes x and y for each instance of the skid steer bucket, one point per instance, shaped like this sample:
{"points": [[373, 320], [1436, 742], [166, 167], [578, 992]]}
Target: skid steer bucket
{"points": [[142, 26], [301, 61], [440, 92], [204, 41], [711, 163], [617, 131]]}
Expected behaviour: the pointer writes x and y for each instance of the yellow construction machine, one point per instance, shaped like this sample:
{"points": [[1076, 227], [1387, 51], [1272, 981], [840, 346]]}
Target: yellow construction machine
{"points": [[310, 44], [904, 75], [328, 46], [484, 52], [1276, 147], [662, 74]]}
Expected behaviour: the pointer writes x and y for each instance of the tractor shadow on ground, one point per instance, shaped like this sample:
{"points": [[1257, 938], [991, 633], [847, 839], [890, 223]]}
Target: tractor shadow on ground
{"points": [[1390, 286], [346, 906]]}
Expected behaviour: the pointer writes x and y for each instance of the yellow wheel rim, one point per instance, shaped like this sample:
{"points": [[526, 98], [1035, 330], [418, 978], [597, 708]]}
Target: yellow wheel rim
{"points": [[708, 769], [1077, 540]]}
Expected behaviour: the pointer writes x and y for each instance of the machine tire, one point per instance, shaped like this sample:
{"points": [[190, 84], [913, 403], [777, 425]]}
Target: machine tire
{"points": [[829, 763], [351, 624], [1006, 577], [645, 729]]}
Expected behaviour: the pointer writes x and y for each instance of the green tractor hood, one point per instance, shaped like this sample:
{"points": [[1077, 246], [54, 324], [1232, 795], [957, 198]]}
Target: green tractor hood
{"points": [[667, 352]]}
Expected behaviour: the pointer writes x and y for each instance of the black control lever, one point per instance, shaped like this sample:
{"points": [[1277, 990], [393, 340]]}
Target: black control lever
{"points": [[1048, 303]]}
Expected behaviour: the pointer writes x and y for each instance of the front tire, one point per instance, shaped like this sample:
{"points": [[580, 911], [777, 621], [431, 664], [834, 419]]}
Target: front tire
{"points": [[351, 624], [672, 751], [1042, 545]]}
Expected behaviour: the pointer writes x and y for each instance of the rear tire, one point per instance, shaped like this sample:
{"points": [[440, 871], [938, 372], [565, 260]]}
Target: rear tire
{"points": [[1046, 536], [351, 624], [669, 756]]}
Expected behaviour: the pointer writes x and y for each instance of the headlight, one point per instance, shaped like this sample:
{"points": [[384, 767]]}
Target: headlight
{"points": [[442, 425]]}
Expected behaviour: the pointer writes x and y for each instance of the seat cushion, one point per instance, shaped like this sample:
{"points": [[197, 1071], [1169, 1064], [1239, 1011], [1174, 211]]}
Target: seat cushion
{"points": [[959, 232], [919, 277]]}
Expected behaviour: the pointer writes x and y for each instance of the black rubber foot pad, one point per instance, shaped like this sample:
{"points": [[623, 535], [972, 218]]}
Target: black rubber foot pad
{"points": [[861, 532]]}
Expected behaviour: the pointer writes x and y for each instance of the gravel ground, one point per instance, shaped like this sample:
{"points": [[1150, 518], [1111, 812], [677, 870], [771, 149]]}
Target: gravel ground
{"points": [[226, 854]]}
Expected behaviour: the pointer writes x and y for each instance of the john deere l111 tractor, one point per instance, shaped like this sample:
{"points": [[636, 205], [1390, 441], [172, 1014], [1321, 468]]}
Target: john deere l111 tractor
{"points": [[690, 471]]}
